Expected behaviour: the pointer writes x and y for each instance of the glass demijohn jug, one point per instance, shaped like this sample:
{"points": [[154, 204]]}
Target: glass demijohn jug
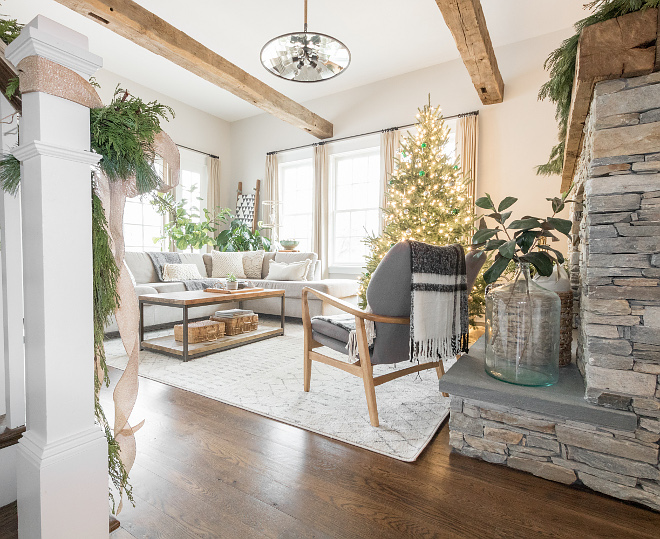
{"points": [[522, 332]]}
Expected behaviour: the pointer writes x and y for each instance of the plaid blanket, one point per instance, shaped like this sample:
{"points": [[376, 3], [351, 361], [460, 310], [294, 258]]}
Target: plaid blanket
{"points": [[438, 302]]}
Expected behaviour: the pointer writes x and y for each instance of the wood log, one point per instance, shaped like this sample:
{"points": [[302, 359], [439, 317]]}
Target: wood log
{"points": [[613, 49], [132, 21], [467, 24]]}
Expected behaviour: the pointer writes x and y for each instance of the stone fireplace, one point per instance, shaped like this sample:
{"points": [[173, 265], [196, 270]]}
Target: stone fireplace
{"points": [[600, 425]]}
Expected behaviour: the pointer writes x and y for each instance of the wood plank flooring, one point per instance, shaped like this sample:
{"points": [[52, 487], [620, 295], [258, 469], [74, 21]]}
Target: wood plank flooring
{"points": [[206, 469]]}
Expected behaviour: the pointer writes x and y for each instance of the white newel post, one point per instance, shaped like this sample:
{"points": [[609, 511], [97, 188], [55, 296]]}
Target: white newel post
{"points": [[62, 458]]}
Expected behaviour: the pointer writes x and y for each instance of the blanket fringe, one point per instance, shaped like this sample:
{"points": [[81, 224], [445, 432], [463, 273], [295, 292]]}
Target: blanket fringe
{"points": [[434, 349], [352, 344]]}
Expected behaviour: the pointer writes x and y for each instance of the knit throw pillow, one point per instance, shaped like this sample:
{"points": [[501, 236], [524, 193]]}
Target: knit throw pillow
{"points": [[225, 264], [252, 261], [280, 271], [180, 272]]}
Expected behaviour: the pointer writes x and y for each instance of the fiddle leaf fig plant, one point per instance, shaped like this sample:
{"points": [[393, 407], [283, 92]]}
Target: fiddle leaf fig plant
{"points": [[521, 240]]}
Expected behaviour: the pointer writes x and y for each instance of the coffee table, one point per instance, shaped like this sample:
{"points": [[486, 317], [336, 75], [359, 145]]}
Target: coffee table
{"points": [[185, 300]]}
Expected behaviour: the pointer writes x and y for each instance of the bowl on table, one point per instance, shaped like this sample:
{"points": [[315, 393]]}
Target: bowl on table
{"points": [[289, 244]]}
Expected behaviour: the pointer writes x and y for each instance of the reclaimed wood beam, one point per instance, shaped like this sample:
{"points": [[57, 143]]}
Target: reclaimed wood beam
{"points": [[132, 21], [467, 24], [7, 73], [613, 49]]}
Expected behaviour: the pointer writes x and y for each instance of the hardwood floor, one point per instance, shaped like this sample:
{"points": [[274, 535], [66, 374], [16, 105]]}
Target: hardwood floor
{"points": [[206, 469]]}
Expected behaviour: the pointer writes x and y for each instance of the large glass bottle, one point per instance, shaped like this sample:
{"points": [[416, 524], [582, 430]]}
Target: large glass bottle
{"points": [[522, 332]]}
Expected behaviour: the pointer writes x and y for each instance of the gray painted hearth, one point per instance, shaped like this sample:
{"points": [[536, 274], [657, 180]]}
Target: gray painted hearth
{"points": [[600, 425]]}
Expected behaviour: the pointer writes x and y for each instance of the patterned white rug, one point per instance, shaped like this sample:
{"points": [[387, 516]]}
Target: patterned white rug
{"points": [[267, 378]]}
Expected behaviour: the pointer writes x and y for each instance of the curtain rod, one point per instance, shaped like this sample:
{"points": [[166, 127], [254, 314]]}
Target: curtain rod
{"points": [[198, 151], [463, 115]]}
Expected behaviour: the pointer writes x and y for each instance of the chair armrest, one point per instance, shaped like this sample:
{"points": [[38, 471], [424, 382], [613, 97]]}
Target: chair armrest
{"points": [[352, 309]]}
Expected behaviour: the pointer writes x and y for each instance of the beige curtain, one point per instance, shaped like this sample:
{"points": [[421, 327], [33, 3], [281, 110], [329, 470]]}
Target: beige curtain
{"points": [[389, 150], [467, 136], [213, 191], [168, 180], [271, 211], [320, 216]]}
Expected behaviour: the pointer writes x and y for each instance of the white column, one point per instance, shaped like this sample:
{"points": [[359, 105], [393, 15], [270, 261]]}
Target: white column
{"points": [[12, 288], [62, 458]]}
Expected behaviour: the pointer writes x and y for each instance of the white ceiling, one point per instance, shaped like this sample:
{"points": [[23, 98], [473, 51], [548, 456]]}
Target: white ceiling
{"points": [[386, 38]]}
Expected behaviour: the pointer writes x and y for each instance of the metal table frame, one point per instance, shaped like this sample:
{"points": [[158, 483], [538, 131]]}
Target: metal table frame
{"points": [[211, 299]]}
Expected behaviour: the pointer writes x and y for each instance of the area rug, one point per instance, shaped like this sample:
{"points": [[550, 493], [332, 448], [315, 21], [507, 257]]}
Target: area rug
{"points": [[266, 378]]}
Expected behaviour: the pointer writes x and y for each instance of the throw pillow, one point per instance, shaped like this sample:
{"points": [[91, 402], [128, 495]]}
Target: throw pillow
{"points": [[225, 263], [252, 261], [180, 272], [280, 271], [299, 257]]}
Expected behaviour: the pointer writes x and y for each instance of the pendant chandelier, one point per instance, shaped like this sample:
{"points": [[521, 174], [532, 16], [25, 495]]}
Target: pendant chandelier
{"points": [[305, 56]]}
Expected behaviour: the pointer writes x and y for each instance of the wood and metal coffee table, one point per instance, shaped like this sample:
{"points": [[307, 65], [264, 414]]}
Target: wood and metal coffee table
{"points": [[185, 300]]}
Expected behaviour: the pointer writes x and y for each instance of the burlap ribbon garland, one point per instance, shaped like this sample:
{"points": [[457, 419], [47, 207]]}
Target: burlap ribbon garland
{"points": [[39, 74]]}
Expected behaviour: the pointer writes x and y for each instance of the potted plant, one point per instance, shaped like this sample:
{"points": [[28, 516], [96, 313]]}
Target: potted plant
{"points": [[232, 282], [522, 318], [239, 237]]}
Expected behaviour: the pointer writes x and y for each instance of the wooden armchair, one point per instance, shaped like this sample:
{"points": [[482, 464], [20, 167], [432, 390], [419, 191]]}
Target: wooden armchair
{"points": [[389, 296]]}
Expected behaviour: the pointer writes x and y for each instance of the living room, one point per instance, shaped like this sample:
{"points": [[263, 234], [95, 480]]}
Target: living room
{"points": [[258, 245]]}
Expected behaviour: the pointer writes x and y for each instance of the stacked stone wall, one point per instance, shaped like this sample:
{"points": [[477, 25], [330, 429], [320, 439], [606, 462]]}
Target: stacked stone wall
{"points": [[619, 463], [618, 246]]}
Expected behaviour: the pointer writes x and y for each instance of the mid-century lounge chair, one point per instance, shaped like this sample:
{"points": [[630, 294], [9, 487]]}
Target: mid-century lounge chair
{"points": [[388, 295]]}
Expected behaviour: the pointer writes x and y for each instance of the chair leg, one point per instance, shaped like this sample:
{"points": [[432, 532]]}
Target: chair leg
{"points": [[440, 369], [367, 372], [307, 369]]}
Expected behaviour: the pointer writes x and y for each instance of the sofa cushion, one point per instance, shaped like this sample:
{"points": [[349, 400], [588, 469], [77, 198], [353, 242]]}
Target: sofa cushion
{"points": [[265, 266], [163, 288], [283, 271], [252, 264], [194, 258], [180, 272], [226, 263], [207, 258], [297, 257], [141, 267], [339, 288]]}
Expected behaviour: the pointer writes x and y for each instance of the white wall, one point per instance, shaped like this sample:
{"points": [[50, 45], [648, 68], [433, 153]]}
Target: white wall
{"points": [[515, 135], [190, 127]]}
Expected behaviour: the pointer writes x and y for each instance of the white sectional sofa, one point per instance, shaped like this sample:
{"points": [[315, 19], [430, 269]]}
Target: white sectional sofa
{"points": [[147, 282]]}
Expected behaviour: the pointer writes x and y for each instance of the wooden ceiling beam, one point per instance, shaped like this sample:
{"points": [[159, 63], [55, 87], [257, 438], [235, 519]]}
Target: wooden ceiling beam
{"points": [[132, 21], [467, 24]]}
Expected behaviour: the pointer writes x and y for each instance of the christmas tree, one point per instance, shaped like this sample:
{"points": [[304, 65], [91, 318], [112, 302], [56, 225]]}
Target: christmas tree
{"points": [[427, 196]]}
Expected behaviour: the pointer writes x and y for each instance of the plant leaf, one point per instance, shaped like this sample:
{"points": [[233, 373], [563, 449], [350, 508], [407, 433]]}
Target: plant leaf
{"points": [[508, 249], [484, 234], [504, 216], [558, 254], [525, 240], [525, 224], [541, 261], [485, 202], [493, 273], [491, 245], [562, 225], [506, 203]]}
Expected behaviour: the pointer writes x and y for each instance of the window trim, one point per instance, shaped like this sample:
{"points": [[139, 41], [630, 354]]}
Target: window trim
{"points": [[344, 268]]}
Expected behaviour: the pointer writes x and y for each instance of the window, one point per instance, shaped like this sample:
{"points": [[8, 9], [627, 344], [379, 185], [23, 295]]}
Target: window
{"points": [[296, 179], [355, 193], [141, 221]]}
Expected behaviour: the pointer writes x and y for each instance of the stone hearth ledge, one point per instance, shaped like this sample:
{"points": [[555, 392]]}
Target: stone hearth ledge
{"points": [[564, 400]]}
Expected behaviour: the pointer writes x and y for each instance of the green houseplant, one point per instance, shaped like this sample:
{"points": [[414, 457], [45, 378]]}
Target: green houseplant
{"points": [[239, 237], [232, 282], [188, 229], [522, 318]]}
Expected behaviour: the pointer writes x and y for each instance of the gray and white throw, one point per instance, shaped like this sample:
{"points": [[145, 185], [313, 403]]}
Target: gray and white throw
{"points": [[160, 259], [438, 302], [347, 323]]}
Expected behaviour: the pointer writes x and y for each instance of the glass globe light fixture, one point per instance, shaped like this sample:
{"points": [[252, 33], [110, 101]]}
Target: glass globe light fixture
{"points": [[305, 56]]}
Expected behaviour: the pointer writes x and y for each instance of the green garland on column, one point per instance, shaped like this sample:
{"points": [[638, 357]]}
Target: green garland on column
{"points": [[561, 65]]}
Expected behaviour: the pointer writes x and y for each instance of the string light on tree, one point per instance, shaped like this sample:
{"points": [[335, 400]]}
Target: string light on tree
{"points": [[427, 195]]}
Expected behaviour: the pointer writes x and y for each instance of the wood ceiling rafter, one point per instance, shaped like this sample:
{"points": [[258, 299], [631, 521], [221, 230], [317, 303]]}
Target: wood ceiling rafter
{"points": [[130, 20], [467, 24]]}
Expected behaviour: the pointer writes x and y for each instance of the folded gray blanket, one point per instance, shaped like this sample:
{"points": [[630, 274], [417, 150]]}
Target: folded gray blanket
{"points": [[201, 284], [160, 259]]}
